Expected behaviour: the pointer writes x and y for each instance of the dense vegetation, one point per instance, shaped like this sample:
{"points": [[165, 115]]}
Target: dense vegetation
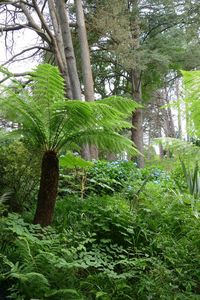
{"points": [[94, 204], [130, 235]]}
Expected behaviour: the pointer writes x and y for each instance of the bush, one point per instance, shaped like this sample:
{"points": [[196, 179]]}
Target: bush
{"points": [[19, 175]]}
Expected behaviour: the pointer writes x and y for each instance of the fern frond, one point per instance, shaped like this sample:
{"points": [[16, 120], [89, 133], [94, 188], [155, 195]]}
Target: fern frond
{"points": [[122, 104], [183, 149], [192, 97], [6, 197], [47, 120], [103, 139]]}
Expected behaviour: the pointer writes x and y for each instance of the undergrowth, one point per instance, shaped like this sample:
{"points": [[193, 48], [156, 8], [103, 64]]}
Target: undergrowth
{"points": [[100, 249], [133, 235]]}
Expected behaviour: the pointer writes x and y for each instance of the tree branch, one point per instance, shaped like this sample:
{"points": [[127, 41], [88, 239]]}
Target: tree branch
{"points": [[32, 24], [14, 75], [42, 20], [23, 51], [13, 27]]}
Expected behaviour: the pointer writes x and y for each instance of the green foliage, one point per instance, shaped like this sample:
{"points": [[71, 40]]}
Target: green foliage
{"points": [[49, 122], [19, 174], [179, 148], [99, 249], [192, 89], [101, 178], [70, 161], [192, 183], [109, 177]]}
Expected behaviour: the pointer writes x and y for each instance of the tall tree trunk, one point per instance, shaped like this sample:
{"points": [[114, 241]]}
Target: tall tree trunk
{"points": [[85, 53], [88, 82], [70, 57], [136, 77], [48, 189], [58, 47], [137, 118], [69, 49]]}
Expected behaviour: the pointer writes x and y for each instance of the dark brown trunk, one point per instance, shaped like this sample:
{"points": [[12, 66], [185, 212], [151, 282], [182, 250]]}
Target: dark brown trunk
{"points": [[48, 189]]}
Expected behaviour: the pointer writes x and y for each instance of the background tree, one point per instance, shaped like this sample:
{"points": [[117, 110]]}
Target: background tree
{"points": [[145, 40]]}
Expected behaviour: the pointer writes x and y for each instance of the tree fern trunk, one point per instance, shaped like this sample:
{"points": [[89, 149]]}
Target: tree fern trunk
{"points": [[48, 189]]}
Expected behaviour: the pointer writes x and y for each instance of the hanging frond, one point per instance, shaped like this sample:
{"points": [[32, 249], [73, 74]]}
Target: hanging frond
{"points": [[103, 139], [122, 104]]}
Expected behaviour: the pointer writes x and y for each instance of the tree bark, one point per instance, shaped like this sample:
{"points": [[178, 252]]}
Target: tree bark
{"points": [[69, 49], [137, 119], [48, 189], [85, 53], [58, 47], [91, 151]]}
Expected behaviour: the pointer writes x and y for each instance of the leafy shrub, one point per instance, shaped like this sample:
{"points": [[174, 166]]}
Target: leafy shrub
{"points": [[101, 178], [109, 177], [19, 174]]}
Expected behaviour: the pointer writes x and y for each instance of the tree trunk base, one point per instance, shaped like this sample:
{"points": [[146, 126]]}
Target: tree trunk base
{"points": [[48, 189]]}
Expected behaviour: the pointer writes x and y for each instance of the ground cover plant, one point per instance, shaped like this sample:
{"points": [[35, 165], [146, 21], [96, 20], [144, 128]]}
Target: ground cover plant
{"points": [[101, 248]]}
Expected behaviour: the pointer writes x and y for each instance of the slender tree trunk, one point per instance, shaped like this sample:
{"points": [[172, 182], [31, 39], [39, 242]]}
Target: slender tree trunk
{"points": [[177, 92], [160, 145], [69, 49], [168, 124], [91, 151], [187, 121], [70, 58], [48, 189], [137, 118], [85, 53], [58, 47]]}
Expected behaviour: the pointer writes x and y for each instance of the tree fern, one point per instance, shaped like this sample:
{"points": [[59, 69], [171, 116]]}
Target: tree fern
{"points": [[50, 122]]}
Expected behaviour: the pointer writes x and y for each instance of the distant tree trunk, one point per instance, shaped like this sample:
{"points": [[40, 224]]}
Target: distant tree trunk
{"points": [[168, 119], [48, 189], [160, 145], [111, 156], [91, 151], [177, 91], [188, 122], [137, 118]]}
